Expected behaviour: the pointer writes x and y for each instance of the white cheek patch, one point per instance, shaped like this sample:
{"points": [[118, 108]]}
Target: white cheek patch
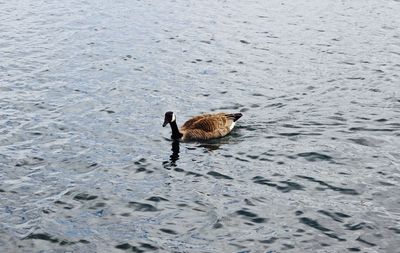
{"points": [[173, 117]]}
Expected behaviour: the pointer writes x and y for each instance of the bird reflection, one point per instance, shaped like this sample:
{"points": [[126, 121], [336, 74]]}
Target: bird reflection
{"points": [[175, 153], [175, 148], [210, 146], [174, 157]]}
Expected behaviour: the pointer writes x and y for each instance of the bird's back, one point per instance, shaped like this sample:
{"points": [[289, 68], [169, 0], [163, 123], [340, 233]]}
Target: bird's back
{"points": [[209, 126]]}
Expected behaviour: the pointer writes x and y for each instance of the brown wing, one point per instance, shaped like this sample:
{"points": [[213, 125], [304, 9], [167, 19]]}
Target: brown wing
{"points": [[206, 122], [207, 126], [191, 122]]}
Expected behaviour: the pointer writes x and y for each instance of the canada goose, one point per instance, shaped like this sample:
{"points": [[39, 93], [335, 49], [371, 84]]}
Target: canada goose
{"points": [[202, 127]]}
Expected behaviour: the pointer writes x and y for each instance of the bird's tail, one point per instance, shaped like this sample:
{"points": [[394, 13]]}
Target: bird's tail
{"points": [[235, 116]]}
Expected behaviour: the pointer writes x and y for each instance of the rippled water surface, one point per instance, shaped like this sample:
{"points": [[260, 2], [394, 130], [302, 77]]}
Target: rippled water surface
{"points": [[312, 166]]}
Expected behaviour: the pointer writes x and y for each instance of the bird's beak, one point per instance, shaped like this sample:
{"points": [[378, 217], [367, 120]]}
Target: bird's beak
{"points": [[165, 123]]}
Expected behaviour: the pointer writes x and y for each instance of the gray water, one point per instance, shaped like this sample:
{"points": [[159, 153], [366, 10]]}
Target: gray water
{"points": [[312, 166]]}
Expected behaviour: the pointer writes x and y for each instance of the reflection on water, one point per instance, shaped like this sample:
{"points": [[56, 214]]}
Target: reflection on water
{"points": [[312, 166], [210, 146], [175, 154]]}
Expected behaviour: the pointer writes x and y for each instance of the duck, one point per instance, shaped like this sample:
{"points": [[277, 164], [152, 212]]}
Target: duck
{"points": [[202, 127]]}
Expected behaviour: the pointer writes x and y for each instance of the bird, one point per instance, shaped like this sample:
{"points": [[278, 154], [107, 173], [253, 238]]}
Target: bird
{"points": [[202, 127]]}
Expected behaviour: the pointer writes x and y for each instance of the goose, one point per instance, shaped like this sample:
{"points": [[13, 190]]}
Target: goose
{"points": [[202, 127]]}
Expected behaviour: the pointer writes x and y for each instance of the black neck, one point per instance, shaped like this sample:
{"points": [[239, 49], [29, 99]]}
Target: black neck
{"points": [[175, 131]]}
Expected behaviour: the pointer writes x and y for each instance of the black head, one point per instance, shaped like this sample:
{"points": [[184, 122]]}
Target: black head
{"points": [[169, 117]]}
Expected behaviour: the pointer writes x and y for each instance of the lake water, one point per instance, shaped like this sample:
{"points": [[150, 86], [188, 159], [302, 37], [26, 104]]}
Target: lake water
{"points": [[312, 166]]}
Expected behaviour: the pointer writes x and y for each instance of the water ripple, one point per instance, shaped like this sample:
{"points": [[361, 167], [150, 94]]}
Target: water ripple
{"points": [[329, 186]]}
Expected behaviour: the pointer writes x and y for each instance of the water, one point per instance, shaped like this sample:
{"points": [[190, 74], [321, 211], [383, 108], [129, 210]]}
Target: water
{"points": [[312, 166]]}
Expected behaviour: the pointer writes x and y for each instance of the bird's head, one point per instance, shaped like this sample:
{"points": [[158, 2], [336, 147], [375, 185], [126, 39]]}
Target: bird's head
{"points": [[169, 117]]}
